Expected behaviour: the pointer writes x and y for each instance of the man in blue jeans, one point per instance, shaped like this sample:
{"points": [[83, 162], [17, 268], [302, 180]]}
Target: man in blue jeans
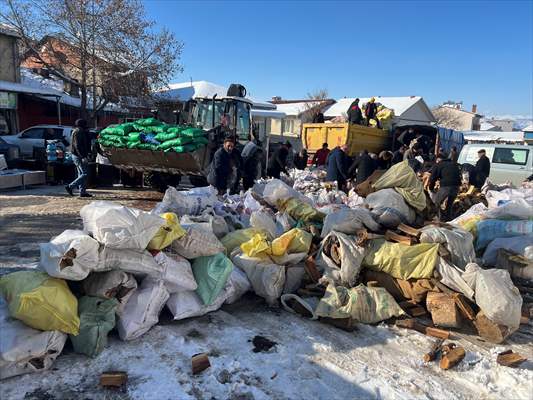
{"points": [[80, 148]]}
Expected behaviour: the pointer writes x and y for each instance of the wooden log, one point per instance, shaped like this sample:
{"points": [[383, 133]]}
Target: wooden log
{"points": [[312, 270], [416, 311], [489, 330], [395, 237], [199, 363], [452, 357], [510, 359], [409, 230], [113, 378], [464, 306], [434, 351], [443, 310], [411, 323]]}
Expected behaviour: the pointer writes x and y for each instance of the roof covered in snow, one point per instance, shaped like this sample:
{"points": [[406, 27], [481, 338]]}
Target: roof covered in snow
{"points": [[295, 109], [185, 91], [493, 136], [528, 128], [487, 126]]}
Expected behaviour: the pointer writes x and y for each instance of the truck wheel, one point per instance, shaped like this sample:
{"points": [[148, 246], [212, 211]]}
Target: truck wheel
{"points": [[198, 181]]}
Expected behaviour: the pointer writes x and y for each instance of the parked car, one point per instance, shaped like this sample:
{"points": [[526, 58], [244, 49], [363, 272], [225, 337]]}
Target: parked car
{"points": [[11, 152], [34, 137], [508, 162]]}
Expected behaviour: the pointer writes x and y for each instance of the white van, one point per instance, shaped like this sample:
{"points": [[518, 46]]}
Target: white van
{"points": [[508, 162]]}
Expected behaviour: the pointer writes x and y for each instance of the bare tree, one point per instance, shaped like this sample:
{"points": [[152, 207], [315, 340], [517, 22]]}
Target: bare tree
{"points": [[107, 47], [312, 107], [447, 117]]}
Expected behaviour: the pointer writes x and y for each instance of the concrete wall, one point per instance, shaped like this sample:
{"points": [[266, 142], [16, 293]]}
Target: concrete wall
{"points": [[456, 119], [9, 70]]}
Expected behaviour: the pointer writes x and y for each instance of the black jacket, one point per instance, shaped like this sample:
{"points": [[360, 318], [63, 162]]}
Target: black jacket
{"points": [[221, 169], [483, 166], [337, 165], [448, 172], [300, 162], [365, 166], [371, 110], [318, 118], [278, 162], [355, 116], [81, 143], [397, 157]]}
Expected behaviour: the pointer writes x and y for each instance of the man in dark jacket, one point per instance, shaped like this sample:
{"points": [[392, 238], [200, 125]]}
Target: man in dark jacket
{"points": [[337, 166], [355, 116], [371, 111], [482, 168], [222, 167], [300, 160], [278, 162], [454, 154], [449, 175], [397, 156], [362, 167], [318, 118], [252, 156], [80, 149]]}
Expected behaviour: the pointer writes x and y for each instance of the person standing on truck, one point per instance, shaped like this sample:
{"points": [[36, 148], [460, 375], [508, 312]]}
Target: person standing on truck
{"points": [[222, 166], [371, 111], [355, 116], [448, 174], [482, 168], [363, 166], [318, 118], [278, 162], [320, 157], [80, 149], [337, 166]]}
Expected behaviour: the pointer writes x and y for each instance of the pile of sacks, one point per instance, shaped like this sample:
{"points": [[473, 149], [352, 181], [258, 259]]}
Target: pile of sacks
{"points": [[196, 251], [152, 134]]}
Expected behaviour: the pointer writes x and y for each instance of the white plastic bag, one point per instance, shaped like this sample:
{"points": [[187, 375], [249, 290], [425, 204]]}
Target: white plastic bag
{"points": [[284, 223], [495, 294], [24, 349], [142, 309], [349, 221], [276, 190], [120, 227], [293, 278], [188, 304], [516, 209], [112, 284], [389, 200], [191, 202], [522, 245], [211, 223], [451, 276], [137, 262], [71, 255], [250, 203], [196, 243], [351, 257], [262, 219], [240, 284], [495, 198], [457, 241], [177, 273]]}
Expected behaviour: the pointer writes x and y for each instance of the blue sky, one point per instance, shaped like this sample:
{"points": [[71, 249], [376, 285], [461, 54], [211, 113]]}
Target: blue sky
{"points": [[475, 51]]}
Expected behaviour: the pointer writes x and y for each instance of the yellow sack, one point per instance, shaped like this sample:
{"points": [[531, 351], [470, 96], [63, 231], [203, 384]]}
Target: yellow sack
{"points": [[257, 246], [40, 301], [300, 211], [294, 241], [401, 261], [402, 178], [236, 238], [169, 232]]}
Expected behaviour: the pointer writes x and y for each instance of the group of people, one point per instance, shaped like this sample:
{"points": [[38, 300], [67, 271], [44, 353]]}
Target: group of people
{"points": [[355, 114]]}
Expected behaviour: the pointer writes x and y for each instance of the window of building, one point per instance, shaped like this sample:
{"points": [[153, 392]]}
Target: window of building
{"points": [[504, 155]]}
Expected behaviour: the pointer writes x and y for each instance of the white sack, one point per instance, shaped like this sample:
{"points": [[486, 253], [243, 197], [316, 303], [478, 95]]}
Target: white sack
{"points": [[495, 198], [240, 284], [522, 245], [516, 209], [457, 241], [451, 276], [309, 303], [120, 227], [284, 223], [495, 294], [197, 242], [24, 349], [211, 223], [262, 219], [188, 304], [476, 210], [276, 190], [349, 221], [177, 272], [111, 285], [392, 204], [142, 309], [191, 202], [72, 255], [137, 262], [351, 258], [293, 279]]}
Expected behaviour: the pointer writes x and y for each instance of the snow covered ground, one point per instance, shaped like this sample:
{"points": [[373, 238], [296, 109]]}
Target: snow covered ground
{"points": [[310, 361]]}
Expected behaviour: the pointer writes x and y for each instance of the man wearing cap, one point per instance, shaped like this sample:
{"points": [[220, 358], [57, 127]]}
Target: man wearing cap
{"points": [[222, 166], [81, 147], [482, 168], [448, 174]]}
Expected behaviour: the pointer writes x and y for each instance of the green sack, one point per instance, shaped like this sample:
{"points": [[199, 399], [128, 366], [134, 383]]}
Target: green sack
{"points": [[97, 318], [148, 122], [134, 137], [164, 136], [133, 145], [193, 132], [155, 129], [182, 149], [175, 129], [180, 141], [211, 274], [200, 141]]}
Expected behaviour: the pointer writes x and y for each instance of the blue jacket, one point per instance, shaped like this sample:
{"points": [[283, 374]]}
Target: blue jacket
{"points": [[337, 166]]}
